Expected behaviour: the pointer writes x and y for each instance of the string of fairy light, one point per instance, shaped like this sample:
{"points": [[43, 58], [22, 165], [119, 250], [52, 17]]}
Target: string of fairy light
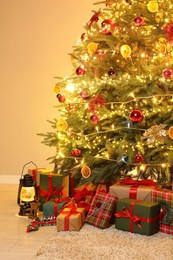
{"points": [[123, 110]]}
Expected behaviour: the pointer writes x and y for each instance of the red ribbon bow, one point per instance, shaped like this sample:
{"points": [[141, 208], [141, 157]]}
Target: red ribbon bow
{"points": [[93, 19], [72, 210], [52, 191], [97, 101], [80, 195], [126, 214]]}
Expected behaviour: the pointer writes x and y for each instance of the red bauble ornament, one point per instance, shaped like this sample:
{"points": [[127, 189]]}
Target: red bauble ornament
{"points": [[111, 72], [71, 107], [168, 30], [109, 24], [61, 98], [167, 73], [85, 94], [80, 71], [139, 20], [136, 116], [94, 119], [138, 158], [76, 153]]}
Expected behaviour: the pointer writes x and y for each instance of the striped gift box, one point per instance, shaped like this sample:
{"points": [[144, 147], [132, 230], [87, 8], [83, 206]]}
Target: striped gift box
{"points": [[162, 194], [101, 210]]}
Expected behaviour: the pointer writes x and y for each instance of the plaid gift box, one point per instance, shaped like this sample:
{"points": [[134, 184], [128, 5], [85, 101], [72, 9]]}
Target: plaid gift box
{"points": [[163, 194], [101, 210], [133, 189], [168, 229], [137, 216]]}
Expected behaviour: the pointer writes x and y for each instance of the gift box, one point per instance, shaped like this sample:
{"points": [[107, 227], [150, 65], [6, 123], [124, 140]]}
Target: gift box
{"points": [[35, 173], [163, 194], [53, 207], [71, 218], [168, 229], [141, 217], [101, 210], [52, 186], [83, 195], [129, 188]]}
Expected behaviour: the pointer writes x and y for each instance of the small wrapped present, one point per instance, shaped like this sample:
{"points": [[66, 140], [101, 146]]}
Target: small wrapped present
{"points": [[36, 174], [163, 194], [52, 186], [137, 216], [101, 210], [83, 196], [71, 218], [132, 189], [53, 207]]}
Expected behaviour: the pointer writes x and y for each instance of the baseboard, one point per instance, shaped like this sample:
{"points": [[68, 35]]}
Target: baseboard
{"points": [[9, 179]]}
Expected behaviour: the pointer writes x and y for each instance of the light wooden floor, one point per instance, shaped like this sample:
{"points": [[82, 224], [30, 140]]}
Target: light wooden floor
{"points": [[15, 242]]}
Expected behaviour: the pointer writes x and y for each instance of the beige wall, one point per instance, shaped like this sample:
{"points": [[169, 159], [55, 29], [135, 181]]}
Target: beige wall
{"points": [[36, 37]]}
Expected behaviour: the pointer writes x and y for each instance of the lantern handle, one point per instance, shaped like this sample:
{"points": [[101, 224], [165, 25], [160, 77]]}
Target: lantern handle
{"points": [[27, 164]]}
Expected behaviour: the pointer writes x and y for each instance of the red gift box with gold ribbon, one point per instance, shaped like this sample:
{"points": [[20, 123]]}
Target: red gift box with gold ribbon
{"points": [[129, 188], [71, 218]]}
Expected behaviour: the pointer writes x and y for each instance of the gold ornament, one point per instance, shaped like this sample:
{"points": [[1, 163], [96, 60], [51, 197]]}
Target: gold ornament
{"points": [[125, 51], [155, 133], [92, 47], [56, 89], [62, 125], [170, 132], [153, 6], [86, 171]]}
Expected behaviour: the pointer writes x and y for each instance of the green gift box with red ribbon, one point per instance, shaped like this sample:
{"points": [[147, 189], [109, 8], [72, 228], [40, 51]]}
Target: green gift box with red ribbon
{"points": [[137, 216], [52, 186], [53, 207]]}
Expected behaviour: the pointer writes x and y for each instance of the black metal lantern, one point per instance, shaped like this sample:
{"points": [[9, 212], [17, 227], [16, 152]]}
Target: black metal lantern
{"points": [[26, 192]]}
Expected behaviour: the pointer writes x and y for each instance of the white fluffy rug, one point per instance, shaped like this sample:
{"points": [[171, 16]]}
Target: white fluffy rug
{"points": [[92, 243]]}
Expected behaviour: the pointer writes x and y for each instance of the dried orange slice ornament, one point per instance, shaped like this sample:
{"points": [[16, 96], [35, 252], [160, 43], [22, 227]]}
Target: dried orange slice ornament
{"points": [[62, 125], [170, 132], [86, 171], [56, 89]]}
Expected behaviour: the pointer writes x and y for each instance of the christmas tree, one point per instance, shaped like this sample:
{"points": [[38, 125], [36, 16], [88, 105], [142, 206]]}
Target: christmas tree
{"points": [[116, 108]]}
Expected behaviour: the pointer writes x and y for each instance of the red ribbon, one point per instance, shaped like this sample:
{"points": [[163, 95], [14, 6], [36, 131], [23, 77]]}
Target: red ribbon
{"points": [[129, 181], [136, 184], [80, 195], [93, 19], [34, 171], [72, 210], [96, 102], [51, 190], [125, 213]]}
